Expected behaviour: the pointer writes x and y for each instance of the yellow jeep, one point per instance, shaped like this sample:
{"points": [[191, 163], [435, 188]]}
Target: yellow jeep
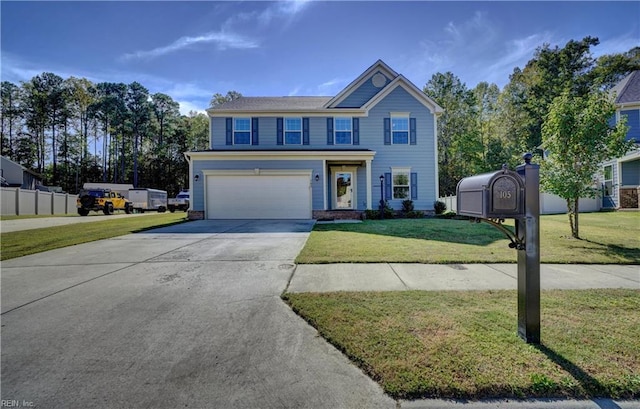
{"points": [[102, 200]]}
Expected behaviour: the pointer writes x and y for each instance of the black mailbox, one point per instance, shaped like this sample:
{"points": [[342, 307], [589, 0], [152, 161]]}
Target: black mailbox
{"points": [[494, 195]]}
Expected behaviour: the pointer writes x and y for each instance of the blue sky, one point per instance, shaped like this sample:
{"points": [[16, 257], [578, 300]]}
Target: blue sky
{"points": [[191, 50]]}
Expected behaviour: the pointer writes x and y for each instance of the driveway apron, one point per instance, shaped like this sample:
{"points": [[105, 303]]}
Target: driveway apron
{"points": [[183, 316]]}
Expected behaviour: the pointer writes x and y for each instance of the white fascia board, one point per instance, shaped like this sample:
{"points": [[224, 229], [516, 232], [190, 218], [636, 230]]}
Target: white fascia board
{"points": [[357, 112], [282, 155], [631, 156], [401, 81], [628, 105], [377, 66]]}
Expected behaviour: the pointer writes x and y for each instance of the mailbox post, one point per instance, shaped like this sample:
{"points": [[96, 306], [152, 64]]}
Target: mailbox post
{"points": [[504, 194], [528, 230]]}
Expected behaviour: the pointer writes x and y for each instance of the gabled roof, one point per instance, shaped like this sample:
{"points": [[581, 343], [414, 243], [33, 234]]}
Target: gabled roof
{"points": [[378, 66], [401, 81], [322, 106], [627, 91]]}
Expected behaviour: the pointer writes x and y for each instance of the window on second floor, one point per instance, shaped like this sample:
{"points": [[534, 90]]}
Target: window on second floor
{"points": [[343, 132], [293, 131], [242, 131], [400, 130]]}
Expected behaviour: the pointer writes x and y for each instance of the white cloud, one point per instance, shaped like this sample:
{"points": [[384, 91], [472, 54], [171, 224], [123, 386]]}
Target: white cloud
{"points": [[188, 106], [294, 91], [228, 37], [223, 41]]}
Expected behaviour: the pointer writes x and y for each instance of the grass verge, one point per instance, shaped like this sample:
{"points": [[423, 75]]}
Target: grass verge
{"points": [[607, 238], [464, 345], [25, 242]]}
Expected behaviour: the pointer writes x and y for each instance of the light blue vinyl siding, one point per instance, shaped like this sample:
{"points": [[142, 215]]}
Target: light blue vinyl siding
{"points": [[360, 95], [197, 188], [420, 157], [633, 122]]}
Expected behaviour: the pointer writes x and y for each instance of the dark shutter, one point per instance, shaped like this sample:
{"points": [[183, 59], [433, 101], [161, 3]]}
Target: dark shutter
{"points": [[414, 186], [387, 131], [387, 186], [254, 131], [356, 131], [279, 126], [229, 131], [305, 131], [329, 131], [412, 131]]}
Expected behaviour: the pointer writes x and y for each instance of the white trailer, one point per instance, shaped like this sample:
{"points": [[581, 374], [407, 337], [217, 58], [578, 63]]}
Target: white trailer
{"points": [[148, 199], [121, 188]]}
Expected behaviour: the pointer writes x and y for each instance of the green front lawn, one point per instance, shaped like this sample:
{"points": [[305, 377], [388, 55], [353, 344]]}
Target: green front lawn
{"points": [[419, 344], [22, 243], [607, 238]]}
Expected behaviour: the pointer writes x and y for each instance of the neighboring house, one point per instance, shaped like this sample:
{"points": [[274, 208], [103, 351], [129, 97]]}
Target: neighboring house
{"points": [[621, 176], [319, 157], [15, 175]]}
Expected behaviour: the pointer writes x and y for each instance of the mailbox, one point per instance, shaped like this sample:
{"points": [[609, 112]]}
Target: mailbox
{"points": [[494, 195]]}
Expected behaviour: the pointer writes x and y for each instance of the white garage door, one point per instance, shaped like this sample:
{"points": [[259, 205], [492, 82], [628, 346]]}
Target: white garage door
{"points": [[263, 196]]}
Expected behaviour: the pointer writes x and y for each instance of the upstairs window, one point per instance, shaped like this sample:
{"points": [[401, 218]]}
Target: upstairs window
{"points": [[293, 131], [242, 131], [400, 130], [343, 133]]}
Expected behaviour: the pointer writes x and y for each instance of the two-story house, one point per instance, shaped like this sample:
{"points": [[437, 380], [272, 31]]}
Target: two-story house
{"points": [[621, 176], [319, 157]]}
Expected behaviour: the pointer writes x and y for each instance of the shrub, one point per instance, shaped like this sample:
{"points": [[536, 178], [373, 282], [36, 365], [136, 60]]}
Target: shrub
{"points": [[439, 207], [407, 205], [371, 214], [414, 214]]}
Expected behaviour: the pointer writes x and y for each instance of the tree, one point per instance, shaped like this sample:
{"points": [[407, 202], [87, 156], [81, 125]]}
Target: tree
{"points": [[139, 115], [10, 114], [578, 137], [219, 99], [460, 147]]}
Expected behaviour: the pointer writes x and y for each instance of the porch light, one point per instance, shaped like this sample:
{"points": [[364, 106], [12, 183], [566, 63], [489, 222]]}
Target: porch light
{"points": [[196, 177], [317, 177]]}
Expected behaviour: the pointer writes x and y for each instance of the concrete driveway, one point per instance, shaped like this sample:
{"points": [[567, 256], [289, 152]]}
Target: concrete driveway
{"points": [[183, 316]]}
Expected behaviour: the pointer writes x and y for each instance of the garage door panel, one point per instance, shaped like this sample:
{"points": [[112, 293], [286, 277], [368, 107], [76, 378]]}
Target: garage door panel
{"points": [[258, 197]]}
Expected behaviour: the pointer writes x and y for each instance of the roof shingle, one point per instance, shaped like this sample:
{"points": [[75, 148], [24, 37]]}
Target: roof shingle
{"points": [[273, 103]]}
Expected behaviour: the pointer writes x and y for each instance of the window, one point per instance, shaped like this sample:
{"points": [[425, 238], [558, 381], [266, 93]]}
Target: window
{"points": [[342, 131], [400, 130], [608, 180], [400, 183], [293, 131], [242, 131]]}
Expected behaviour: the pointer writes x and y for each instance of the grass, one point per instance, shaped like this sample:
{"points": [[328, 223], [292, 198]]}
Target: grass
{"points": [[464, 345], [25, 242], [607, 238]]}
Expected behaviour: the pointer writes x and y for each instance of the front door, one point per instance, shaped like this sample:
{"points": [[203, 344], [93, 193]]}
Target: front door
{"points": [[343, 185]]}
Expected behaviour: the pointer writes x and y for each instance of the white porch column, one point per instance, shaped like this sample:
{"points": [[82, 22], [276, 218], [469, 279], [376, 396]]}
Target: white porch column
{"points": [[369, 185]]}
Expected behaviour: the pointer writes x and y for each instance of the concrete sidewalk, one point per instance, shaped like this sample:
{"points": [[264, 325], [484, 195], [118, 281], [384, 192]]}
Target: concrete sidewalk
{"points": [[400, 277]]}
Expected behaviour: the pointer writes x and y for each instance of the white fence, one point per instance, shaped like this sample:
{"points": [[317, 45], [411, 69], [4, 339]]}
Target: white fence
{"points": [[549, 204], [16, 201]]}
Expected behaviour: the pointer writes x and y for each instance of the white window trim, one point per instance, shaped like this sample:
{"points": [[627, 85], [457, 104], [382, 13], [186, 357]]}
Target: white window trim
{"points": [[605, 180], [284, 130], [335, 129], [401, 115], [234, 130], [393, 185]]}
